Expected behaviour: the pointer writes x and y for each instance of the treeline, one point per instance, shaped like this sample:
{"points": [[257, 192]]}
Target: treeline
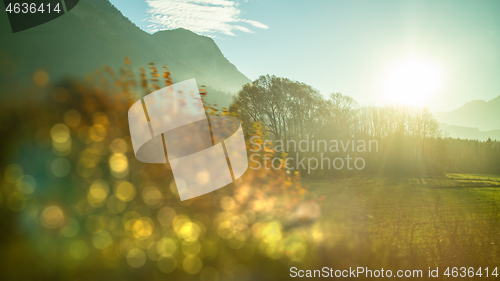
{"points": [[409, 141], [473, 156]]}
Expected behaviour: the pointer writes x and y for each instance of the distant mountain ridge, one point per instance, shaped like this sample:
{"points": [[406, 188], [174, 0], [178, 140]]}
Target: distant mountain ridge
{"points": [[95, 33], [475, 114], [469, 133]]}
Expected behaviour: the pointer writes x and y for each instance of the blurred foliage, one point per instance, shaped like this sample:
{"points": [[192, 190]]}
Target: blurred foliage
{"points": [[76, 204]]}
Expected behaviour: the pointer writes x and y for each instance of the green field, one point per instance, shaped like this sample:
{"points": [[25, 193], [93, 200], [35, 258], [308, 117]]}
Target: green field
{"points": [[411, 222]]}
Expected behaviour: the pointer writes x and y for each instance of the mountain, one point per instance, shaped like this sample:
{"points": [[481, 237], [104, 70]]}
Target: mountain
{"points": [[469, 133], [95, 33], [475, 114], [202, 53]]}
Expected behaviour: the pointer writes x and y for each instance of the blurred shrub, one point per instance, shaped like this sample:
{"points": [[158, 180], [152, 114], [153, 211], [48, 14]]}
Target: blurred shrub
{"points": [[74, 199]]}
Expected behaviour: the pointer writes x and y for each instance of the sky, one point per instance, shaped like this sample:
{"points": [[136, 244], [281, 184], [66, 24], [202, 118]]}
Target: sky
{"points": [[439, 54]]}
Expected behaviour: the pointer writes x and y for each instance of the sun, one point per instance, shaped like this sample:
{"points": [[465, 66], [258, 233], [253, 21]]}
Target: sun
{"points": [[413, 82]]}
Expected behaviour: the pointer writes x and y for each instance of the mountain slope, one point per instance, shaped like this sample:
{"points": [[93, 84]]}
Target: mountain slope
{"points": [[200, 52], [469, 133], [476, 114], [95, 33]]}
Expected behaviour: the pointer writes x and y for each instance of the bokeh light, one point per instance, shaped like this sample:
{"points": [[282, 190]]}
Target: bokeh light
{"points": [[79, 250], [125, 191], [53, 217], [60, 167], [136, 258], [41, 78]]}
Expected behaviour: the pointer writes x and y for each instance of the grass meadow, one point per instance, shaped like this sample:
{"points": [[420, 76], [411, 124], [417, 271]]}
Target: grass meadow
{"points": [[410, 223]]}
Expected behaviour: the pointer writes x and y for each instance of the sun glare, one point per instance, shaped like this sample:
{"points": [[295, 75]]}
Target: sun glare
{"points": [[413, 82]]}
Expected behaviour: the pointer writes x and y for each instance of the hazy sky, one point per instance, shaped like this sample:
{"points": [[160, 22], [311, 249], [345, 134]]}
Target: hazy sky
{"points": [[352, 47]]}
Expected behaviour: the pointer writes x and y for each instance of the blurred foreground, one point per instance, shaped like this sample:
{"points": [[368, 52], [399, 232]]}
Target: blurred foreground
{"points": [[75, 204]]}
